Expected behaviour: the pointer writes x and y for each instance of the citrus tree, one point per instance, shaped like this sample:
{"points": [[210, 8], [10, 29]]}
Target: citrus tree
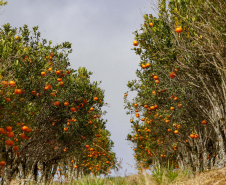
{"points": [[47, 109], [175, 106]]}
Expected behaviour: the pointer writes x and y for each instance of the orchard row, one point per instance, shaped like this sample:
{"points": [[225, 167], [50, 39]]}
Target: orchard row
{"points": [[51, 117], [178, 114]]}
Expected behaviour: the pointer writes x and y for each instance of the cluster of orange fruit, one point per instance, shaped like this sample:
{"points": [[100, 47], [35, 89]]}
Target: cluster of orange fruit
{"points": [[177, 30], [194, 136], [11, 84], [10, 135], [156, 78]]}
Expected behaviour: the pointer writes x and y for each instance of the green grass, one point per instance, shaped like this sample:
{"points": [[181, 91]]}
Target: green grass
{"points": [[165, 176]]}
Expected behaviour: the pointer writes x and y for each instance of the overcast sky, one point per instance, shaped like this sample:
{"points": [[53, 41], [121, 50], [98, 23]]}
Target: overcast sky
{"points": [[101, 35]]}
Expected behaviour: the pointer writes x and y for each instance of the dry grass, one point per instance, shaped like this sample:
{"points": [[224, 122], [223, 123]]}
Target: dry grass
{"points": [[144, 179], [213, 177]]}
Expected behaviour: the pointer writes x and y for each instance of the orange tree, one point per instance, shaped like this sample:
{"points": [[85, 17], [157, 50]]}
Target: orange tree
{"points": [[96, 158], [46, 107], [171, 90], [201, 59]]}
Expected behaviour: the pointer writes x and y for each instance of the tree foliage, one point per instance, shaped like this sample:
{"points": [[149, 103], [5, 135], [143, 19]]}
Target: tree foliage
{"points": [[181, 86], [49, 111]]}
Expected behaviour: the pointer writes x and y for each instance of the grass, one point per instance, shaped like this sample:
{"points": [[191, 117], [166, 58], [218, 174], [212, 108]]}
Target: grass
{"points": [[129, 180], [160, 176], [165, 176], [213, 177]]}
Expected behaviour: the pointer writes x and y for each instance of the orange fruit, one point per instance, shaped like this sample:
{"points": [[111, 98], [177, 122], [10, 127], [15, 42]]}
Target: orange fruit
{"points": [[9, 128], [135, 43], [157, 81], [8, 99], [178, 30], [15, 148], [72, 109], [148, 65], [66, 103], [204, 122], [17, 91], [172, 75], [172, 108], [53, 94], [156, 77], [145, 106], [12, 84], [151, 24], [152, 107], [143, 66], [46, 88], [66, 129], [43, 73], [4, 83], [7, 142], [57, 103], [11, 143], [61, 83], [10, 134], [25, 128], [2, 131], [2, 163], [59, 79], [58, 72], [167, 121], [179, 105], [23, 136], [49, 86]]}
